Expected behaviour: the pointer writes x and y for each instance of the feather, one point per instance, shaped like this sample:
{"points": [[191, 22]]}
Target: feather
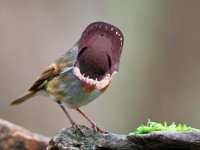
{"points": [[46, 75], [23, 98]]}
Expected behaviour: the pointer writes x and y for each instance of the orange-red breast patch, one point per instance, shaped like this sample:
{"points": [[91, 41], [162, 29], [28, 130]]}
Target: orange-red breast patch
{"points": [[103, 89], [88, 89]]}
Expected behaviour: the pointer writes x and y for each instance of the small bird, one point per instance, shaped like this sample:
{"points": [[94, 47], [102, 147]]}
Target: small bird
{"points": [[83, 73]]}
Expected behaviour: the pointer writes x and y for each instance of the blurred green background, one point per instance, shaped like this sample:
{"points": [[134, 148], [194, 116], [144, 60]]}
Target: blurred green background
{"points": [[159, 75]]}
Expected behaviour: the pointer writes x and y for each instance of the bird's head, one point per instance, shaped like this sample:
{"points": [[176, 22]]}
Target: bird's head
{"points": [[99, 51]]}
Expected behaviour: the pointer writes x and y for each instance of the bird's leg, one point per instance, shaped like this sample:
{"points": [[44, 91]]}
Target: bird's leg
{"points": [[66, 113], [94, 125], [74, 125]]}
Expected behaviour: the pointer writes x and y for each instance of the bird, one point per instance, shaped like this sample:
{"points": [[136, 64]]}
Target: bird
{"points": [[83, 73]]}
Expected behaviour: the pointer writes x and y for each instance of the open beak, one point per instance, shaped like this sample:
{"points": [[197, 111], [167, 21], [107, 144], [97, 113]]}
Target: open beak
{"points": [[98, 59]]}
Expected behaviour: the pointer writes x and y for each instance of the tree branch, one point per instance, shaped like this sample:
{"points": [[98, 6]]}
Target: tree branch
{"points": [[13, 137], [88, 139]]}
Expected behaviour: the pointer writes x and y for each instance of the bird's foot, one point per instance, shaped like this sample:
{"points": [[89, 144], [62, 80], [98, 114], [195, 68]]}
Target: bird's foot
{"points": [[94, 125], [78, 129], [98, 129]]}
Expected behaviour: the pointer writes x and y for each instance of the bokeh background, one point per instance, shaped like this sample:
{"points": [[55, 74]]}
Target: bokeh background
{"points": [[159, 75]]}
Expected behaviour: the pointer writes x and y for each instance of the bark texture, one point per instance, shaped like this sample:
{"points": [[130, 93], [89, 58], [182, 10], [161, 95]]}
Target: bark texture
{"points": [[88, 139], [13, 137]]}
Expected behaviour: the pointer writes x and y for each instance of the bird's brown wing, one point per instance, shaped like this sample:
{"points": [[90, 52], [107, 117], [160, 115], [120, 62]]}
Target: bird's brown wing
{"points": [[67, 60], [46, 75]]}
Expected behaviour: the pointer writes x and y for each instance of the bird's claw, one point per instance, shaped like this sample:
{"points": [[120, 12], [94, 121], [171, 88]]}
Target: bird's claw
{"points": [[78, 129], [98, 129]]}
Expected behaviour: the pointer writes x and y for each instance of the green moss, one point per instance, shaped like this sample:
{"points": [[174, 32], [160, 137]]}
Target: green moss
{"points": [[154, 126]]}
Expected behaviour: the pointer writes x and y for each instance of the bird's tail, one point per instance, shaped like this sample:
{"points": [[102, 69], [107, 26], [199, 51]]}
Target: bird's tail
{"points": [[23, 98]]}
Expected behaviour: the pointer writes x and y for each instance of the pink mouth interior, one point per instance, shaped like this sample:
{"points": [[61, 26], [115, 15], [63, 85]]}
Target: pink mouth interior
{"points": [[94, 64], [99, 51]]}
